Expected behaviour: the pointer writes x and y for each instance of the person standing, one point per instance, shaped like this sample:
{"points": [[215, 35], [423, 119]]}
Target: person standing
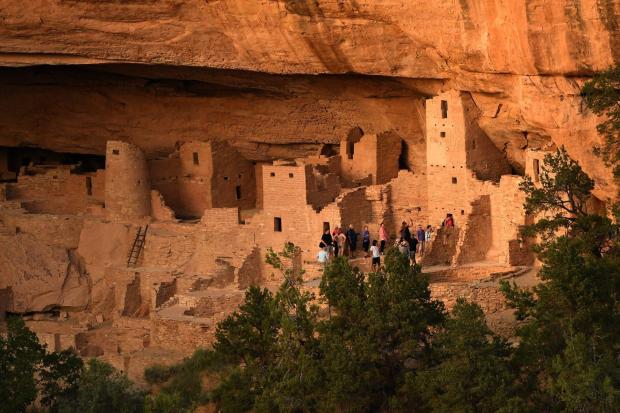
{"points": [[413, 244], [421, 235], [428, 233], [352, 240], [335, 242], [341, 240], [376, 256], [327, 241], [384, 236], [366, 241], [405, 233], [449, 221]]}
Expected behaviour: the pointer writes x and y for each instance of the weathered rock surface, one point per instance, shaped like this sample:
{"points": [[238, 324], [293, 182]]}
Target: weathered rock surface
{"points": [[41, 277], [523, 61], [418, 39]]}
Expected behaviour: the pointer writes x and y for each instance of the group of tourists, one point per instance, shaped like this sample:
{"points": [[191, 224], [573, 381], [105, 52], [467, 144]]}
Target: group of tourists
{"points": [[344, 243]]}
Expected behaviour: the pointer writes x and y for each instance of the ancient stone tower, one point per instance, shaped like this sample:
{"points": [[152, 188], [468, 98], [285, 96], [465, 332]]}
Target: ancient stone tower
{"points": [[127, 183]]}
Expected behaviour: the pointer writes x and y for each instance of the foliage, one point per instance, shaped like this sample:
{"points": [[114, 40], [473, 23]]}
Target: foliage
{"points": [[602, 96], [102, 389], [28, 370], [571, 319], [21, 357], [471, 370], [290, 359]]}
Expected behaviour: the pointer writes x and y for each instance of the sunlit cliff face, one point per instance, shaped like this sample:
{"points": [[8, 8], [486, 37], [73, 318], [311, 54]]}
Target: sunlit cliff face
{"points": [[522, 61]]}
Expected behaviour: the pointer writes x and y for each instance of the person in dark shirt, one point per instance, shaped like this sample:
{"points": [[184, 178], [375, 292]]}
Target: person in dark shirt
{"points": [[413, 244], [352, 240], [404, 232], [366, 241], [327, 241], [421, 236]]}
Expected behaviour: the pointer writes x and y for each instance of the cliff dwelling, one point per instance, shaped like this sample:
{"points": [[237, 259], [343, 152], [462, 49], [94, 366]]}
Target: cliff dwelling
{"points": [[157, 240], [143, 181]]}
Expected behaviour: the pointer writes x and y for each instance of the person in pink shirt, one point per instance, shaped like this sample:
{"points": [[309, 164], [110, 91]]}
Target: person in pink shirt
{"points": [[384, 236]]}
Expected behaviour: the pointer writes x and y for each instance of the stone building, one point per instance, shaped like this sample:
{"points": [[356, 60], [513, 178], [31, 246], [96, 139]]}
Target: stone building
{"points": [[75, 247], [203, 175], [369, 159], [127, 182]]}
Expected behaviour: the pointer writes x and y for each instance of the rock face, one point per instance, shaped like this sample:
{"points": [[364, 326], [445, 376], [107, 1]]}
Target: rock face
{"points": [[285, 83], [523, 61], [417, 39]]}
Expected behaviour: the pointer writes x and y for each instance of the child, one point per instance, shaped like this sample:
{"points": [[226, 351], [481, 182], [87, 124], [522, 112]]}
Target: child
{"points": [[376, 255], [323, 255]]}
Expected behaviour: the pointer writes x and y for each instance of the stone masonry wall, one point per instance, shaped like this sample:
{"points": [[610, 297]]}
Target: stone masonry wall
{"points": [[127, 187]]}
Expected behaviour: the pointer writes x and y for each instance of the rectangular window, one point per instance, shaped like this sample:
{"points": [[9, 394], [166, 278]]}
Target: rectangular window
{"points": [[454, 180], [196, 161], [272, 174], [277, 224], [536, 167], [290, 175], [115, 152], [89, 185], [444, 109], [238, 192], [442, 134]]}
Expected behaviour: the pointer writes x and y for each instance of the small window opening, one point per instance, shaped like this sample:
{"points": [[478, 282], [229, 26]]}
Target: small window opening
{"points": [[442, 134], [290, 175], [454, 180], [240, 176], [89, 185], [444, 109], [115, 152], [55, 177], [226, 178], [272, 174], [196, 160], [536, 167], [350, 149], [238, 192], [326, 226], [462, 212], [139, 182], [403, 159], [277, 224], [473, 144]]}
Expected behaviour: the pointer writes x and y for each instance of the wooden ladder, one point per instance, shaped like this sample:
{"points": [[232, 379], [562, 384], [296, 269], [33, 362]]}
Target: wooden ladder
{"points": [[137, 246]]}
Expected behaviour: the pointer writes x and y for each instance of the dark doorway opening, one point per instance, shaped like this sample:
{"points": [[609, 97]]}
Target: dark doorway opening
{"points": [[277, 224], [444, 109], [403, 159], [89, 185]]}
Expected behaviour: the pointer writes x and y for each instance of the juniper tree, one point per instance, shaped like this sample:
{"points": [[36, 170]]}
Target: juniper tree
{"points": [[572, 318]]}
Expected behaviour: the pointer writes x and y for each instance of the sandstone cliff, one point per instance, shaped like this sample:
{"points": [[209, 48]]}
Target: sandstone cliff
{"points": [[522, 60]]}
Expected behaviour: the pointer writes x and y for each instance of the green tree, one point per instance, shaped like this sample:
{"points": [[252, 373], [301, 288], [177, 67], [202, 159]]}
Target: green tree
{"points": [[472, 372], [379, 332], [578, 297], [59, 377], [21, 357], [101, 389], [602, 96]]}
